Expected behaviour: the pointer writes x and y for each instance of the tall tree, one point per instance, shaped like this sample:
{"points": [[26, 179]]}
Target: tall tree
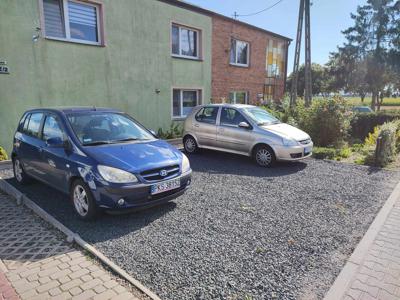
{"points": [[320, 80], [371, 40]]}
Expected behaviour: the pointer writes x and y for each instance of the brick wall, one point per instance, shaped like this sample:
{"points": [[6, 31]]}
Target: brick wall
{"points": [[227, 78]]}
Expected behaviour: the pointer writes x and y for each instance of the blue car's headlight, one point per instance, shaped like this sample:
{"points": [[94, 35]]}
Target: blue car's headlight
{"points": [[185, 164], [114, 175]]}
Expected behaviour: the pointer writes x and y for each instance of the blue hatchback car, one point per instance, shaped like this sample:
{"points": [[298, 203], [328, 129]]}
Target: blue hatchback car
{"points": [[103, 158]]}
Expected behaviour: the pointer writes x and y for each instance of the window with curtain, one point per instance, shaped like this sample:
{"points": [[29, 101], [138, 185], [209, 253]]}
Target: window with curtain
{"points": [[72, 20], [239, 53], [183, 102], [185, 41]]}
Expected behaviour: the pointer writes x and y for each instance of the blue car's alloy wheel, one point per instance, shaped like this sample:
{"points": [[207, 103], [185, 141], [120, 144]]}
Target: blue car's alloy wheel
{"points": [[19, 172], [83, 200]]}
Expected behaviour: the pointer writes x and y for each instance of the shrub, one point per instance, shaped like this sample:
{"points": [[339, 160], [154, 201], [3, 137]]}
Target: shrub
{"points": [[386, 150], [3, 154], [331, 153], [175, 131], [326, 121], [362, 124], [324, 153]]}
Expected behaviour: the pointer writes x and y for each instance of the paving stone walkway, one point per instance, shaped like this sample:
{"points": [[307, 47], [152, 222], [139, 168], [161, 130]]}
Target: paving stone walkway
{"points": [[40, 264], [376, 274]]}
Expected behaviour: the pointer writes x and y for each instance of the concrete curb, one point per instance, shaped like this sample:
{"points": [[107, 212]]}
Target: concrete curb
{"points": [[342, 282], [3, 267], [72, 236]]}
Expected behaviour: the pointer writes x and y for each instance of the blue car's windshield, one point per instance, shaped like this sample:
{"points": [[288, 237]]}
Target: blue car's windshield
{"points": [[106, 128], [260, 116]]}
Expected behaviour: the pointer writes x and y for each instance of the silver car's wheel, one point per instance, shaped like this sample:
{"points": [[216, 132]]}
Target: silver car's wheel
{"points": [[264, 156], [190, 144], [81, 201]]}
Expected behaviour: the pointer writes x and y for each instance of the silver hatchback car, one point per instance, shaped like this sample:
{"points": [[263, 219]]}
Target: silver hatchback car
{"points": [[246, 130]]}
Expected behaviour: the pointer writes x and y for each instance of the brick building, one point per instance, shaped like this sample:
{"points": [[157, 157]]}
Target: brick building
{"points": [[249, 64]]}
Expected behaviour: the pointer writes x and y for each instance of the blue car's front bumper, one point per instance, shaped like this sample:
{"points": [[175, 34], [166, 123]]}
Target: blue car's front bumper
{"points": [[137, 196]]}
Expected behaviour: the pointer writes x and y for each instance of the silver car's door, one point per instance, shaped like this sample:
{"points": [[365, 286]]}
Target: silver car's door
{"points": [[205, 126], [230, 135]]}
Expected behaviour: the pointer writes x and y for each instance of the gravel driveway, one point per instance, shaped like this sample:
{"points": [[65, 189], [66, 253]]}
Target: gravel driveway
{"points": [[241, 231]]}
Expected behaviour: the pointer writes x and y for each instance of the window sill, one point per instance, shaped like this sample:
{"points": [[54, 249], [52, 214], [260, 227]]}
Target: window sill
{"points": [[178, 118], [239, 65], [186, 57], [75, 41]]}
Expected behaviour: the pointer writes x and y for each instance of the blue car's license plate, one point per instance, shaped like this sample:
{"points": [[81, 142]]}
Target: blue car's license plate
{"points": [[165, 186]]}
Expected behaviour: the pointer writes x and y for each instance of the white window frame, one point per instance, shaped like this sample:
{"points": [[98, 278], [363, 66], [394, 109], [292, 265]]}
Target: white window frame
{"points": [[234, 96], [65, 15], [236, 54], [199, 93], [198, 33]]}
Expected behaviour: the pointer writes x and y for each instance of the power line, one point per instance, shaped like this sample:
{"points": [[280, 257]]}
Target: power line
{"points": [[258, 12]]}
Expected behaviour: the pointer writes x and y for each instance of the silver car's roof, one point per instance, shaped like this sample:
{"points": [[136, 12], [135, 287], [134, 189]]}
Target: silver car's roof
{"points": [[228, 105]]}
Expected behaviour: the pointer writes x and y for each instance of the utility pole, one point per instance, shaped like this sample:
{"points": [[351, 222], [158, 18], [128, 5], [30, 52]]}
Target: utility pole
{"points": [[304, 10]]}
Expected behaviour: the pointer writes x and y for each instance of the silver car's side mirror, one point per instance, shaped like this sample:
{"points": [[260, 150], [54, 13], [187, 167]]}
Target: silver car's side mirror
{"points": [[244, 125]]}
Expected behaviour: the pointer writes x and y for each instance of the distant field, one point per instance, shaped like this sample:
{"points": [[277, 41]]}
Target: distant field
{"points": [[367, 101]]}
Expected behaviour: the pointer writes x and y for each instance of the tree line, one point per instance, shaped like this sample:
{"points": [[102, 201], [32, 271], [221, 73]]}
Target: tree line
{"points": [[369, 60]]}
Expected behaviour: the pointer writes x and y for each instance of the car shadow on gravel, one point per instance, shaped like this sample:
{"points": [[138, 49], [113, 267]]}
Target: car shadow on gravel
{"points": [[111, 226], [216, 162]]}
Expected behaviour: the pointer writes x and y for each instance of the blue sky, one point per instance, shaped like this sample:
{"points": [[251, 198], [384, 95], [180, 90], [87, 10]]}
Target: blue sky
{"points": [[328, 19]]}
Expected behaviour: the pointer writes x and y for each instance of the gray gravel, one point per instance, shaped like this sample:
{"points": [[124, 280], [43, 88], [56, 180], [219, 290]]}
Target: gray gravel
{"points": [[241, 231]]}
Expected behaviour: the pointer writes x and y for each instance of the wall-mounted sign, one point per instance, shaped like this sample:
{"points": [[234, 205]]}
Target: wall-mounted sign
{"points": [[4, 68]]}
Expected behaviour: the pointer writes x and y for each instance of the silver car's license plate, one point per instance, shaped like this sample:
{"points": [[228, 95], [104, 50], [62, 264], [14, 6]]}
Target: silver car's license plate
{"points": [[307, 149], [165, 186]]}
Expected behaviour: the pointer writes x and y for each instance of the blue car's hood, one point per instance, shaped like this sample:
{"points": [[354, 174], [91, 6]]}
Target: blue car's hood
{"points": [[136, 157]]}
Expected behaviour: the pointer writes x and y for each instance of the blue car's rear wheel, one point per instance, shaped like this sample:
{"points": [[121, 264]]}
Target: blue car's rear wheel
{"points": [[83, 201], [19, 172]]}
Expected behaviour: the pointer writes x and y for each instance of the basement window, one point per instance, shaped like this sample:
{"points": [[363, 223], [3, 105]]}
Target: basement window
{"points": [[73, 21], [183, 101], [185, 42], [239, 55]]}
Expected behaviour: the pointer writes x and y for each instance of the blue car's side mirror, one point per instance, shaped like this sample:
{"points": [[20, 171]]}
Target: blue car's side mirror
{"points": [[55, 142]]}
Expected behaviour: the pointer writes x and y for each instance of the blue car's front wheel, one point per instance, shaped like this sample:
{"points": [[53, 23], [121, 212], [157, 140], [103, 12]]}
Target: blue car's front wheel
{"points": [[82, 200]]}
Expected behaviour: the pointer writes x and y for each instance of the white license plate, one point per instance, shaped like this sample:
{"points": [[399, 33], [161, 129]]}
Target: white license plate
{"points": [[307, 149], [165, 186]]}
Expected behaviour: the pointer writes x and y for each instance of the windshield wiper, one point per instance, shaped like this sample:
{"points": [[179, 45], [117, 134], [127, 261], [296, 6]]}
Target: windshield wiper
{"points": [[125, 140], [97, 143]]}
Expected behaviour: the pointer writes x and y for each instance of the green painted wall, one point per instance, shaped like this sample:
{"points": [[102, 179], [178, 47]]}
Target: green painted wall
{"points": [[124, 74]]}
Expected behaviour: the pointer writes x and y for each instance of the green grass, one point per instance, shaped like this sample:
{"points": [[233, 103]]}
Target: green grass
{"points": [[367, 101]]}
